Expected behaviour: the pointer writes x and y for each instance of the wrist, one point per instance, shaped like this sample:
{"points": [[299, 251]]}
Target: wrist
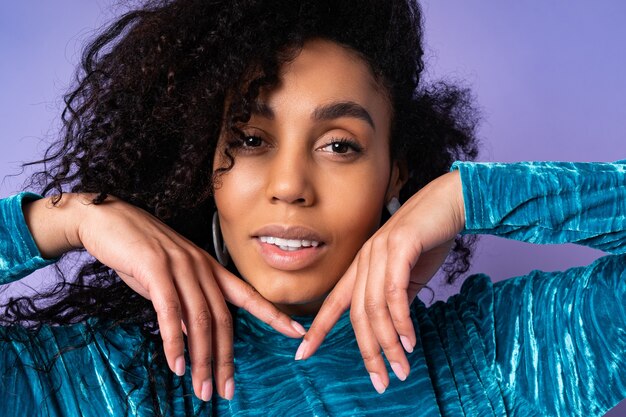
{"points": [[54, 227], [459, 204], [76, 206], [454, 194]]}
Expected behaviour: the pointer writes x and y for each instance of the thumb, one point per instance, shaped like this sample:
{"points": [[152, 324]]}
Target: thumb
{"points": [[337, 301]]}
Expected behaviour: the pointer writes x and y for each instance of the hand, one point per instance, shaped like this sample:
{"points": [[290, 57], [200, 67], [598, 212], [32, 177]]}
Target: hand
{"points": [[187, 287], [387, 273]]}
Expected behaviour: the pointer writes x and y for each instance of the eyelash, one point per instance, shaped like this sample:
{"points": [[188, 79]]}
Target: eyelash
{"points": [[239, 143], [357, 148], [352, 144]]}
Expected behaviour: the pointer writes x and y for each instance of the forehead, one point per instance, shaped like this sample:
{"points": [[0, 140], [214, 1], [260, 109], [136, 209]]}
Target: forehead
{"points": [[321, 55], [325, 72]]}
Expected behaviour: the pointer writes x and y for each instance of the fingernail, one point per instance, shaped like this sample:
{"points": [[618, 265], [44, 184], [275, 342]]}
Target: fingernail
{"points": [[207, 390], [298, 327], [406, 344], [397, 369], [301, 350], [179, 366], [229, 389], [377, 383]]}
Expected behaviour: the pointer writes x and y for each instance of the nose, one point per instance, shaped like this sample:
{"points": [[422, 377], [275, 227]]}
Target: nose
{"points": [[290, 178]]}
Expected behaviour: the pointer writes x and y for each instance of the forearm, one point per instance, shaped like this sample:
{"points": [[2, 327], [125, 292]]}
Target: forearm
{"points": [[548, 202]]}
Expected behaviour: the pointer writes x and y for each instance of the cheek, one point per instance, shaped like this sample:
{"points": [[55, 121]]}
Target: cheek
{"points": [[354, 201], [237, 189]]}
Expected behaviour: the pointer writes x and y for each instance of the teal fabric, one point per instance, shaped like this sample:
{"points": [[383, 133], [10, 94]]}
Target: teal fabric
{"points": [[19, 255], [541, 344]]}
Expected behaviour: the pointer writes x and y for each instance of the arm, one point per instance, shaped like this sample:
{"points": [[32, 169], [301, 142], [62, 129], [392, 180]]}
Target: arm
{"points": [[537, 202], [547, 202], [559, 337], [184, 283], [19, 255]]}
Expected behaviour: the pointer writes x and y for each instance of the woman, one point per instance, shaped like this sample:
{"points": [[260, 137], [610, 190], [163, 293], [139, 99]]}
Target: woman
{"points": [[301, 123]]}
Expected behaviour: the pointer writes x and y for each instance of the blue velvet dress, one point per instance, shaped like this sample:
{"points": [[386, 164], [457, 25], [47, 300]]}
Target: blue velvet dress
{"points": [[541, 344]]}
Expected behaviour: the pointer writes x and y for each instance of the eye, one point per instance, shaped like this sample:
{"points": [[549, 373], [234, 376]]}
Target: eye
{"points": [[251, 142], [342, 147], [247, 143]]}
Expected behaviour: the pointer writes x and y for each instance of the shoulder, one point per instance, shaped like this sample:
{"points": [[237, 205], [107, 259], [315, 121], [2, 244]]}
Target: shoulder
{"points": [[605, 276], [45, 345], [101, 366], [466, 316]]}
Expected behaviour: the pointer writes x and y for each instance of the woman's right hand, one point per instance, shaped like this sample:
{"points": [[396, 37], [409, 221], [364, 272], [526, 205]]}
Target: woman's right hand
{"points": [[187, 287]]}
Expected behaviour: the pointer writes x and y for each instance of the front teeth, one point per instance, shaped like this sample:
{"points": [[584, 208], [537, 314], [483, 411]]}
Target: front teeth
{"points": [[288, 244]]}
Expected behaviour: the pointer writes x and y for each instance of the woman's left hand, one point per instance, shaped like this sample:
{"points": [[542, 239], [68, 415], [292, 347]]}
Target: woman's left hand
{"points": [[387, 273]]}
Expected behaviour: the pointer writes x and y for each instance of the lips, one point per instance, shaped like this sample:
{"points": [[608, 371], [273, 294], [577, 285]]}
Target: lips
{"points": [[289, 248]]}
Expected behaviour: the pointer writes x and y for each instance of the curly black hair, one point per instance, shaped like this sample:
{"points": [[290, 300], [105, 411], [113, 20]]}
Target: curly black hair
{"points": [[143, 119]]}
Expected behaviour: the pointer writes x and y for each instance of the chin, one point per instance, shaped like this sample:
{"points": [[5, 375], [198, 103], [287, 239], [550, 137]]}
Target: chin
{"points": [[292, 297], [291, 291], [297, 301]]}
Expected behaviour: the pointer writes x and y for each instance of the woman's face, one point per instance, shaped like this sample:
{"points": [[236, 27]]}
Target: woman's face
{"points": [[310, 178]]}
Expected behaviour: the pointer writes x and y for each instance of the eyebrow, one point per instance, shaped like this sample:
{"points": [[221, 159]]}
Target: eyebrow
{"points": [[330, 111]]}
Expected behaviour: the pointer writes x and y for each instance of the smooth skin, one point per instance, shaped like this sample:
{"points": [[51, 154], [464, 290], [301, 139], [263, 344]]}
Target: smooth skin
{"points": [[187, 287]]}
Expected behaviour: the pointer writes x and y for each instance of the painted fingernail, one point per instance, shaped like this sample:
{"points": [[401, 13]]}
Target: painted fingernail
{"points": [[207, 390], [406, 344], [229, 389], [377, 383], [298, 327], [301, 350], [397, 369], [179, 366]]}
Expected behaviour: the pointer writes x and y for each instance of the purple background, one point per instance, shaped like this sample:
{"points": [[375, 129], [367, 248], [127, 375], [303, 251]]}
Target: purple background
{"points": [[549, 78]]}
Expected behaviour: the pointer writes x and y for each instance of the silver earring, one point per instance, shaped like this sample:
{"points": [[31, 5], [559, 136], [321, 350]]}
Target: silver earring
{"points": [[221, 252], [393, 205]]}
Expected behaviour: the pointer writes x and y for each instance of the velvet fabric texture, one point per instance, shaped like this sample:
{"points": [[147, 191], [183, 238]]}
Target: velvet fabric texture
{"points": [[544, 344]]}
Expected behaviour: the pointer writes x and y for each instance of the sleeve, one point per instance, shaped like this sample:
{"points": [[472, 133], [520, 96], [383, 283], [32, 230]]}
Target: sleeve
{"points": [[19, 255], [547, 202], [560, 337]]}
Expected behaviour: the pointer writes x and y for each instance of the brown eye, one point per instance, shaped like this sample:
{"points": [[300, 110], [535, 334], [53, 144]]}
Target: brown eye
{"points": [[340, 147], [343, 147], [252, 142]]}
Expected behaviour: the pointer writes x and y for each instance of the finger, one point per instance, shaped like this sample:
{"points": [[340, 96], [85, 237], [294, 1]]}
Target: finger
{"points": [[368, 345], [333, 307], [376, 309], [241, 294], [223, 357], [199, 323], [166, 304], [400, 259]]}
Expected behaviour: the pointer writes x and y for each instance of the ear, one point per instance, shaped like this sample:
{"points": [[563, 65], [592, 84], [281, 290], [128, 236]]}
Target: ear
{"points": [[399, 176]]}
